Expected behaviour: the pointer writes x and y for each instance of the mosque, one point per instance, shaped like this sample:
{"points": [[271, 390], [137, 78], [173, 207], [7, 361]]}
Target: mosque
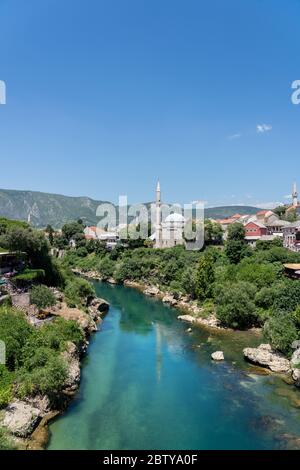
{"points": [[168, 232]]}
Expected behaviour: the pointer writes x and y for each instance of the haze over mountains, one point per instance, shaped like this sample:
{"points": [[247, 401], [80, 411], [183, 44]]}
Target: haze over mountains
{"points": [[56, 209]]}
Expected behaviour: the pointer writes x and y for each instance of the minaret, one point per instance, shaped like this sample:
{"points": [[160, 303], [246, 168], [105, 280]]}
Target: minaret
{"points": [[158, 228], [295, 195]]}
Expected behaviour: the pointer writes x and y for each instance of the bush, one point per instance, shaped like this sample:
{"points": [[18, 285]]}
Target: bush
{"points": [[280, 331], [15, 331], [78, 291], [42, 297], [262, 275], [6, 442], [235, 305], [106, 267], [6, 385], [43, 373], [265, 297]]}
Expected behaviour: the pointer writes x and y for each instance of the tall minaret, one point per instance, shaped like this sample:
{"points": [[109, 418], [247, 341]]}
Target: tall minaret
{"points": [[158, 228], [295, 195]]}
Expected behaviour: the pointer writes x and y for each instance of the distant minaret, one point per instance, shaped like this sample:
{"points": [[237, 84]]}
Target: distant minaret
{"points": [[295, 195], [158, 228]]}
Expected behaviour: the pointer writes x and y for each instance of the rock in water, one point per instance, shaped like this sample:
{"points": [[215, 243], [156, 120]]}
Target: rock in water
{"points": [[21, 418], [218, 356], [266, 357]]}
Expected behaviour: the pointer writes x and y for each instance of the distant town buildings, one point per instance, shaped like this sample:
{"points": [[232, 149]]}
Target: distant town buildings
{"points": [[265, 225]]}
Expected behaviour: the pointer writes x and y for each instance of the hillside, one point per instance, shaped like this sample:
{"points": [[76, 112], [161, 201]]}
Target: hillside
{"points": [[55, 209], [227, 211]]}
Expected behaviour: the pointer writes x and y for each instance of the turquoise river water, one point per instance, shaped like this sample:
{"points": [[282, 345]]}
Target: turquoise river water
{"points": [[148, 384]]}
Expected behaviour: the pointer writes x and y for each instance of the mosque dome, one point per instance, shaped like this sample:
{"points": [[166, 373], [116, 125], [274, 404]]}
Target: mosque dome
{"points": [[175, 218]]}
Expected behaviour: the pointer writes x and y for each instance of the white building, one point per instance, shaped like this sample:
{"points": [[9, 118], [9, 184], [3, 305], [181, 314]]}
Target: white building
{"points": [[168, 233]]}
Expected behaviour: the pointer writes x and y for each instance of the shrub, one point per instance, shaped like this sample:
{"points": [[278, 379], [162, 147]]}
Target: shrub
{"points": [[280, 330], [43, 373], [265, 297], [6, 385], [15, 331], [6, 442], [42, 297], [106, 267], [262, 275], [78, 291]]}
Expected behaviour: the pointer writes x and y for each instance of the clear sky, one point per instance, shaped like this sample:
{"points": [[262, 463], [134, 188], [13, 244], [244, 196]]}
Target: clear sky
{"points": [[104, 96]]}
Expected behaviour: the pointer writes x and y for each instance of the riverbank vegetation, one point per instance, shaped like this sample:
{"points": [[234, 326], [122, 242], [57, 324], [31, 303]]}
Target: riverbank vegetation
{"points": [[36, 352], [241, 285]]}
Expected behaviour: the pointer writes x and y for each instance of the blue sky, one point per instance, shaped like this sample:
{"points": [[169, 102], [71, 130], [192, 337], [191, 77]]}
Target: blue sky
{"points": [[103, 97]]}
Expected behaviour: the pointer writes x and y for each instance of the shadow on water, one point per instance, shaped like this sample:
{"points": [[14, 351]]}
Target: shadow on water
{"points": [[148, 384]]}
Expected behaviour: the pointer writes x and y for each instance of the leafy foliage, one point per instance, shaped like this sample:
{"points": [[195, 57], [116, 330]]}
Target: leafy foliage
{"points": [[42, 296]]}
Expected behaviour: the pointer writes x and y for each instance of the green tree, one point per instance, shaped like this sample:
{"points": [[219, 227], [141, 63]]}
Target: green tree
{"points": [[281, 331], [235, 305], [205, 277], [42, 296], [236, 248], [50, 231], [189, 281], [72, 230]]}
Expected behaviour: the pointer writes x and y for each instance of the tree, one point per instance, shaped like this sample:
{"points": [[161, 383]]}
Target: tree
{"points": [[236, 248], [72, 230], [42, 297], [235, 305], [106, 267], [281, 331], [189, 281], [213, 232], [50, 232], [205, 277], [261, 275]]}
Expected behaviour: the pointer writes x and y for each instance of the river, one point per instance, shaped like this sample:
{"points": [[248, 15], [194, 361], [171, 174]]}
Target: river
{"points": [[148, 384]]}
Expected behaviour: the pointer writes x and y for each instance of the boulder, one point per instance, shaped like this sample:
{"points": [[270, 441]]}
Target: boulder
{"points": [[72, 360], [21, 418], [266, 357], [111, 280], [296, 376], [187, 318], [152, 291], [169, 299], [218, 356], [295, 360]]}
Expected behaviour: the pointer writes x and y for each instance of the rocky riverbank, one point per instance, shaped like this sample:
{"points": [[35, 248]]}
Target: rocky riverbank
{"points": [[265, 356], [27, 420], [181, 302]]}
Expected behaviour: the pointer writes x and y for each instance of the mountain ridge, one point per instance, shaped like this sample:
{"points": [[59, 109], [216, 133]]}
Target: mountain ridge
{"points": [[57, 209]]}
